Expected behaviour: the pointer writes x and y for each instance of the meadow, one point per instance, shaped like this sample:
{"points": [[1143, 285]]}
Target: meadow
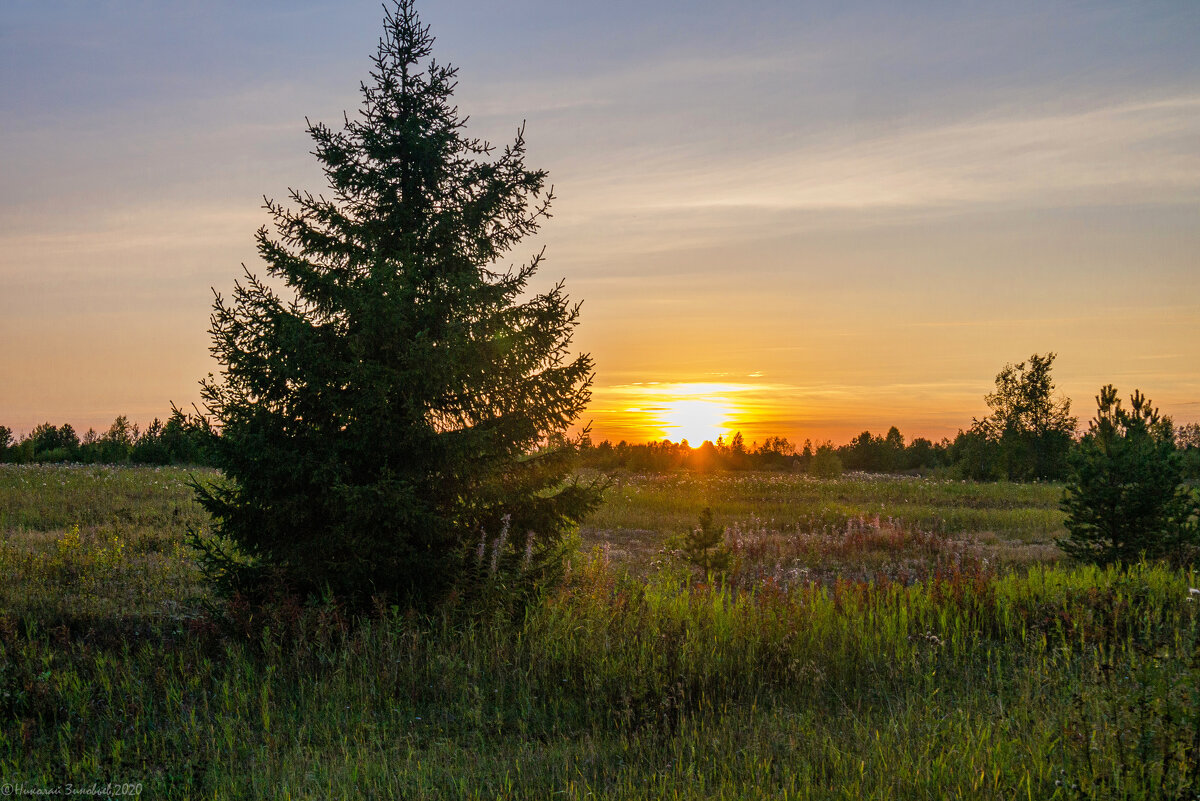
{"points": [[782, 524], [878, 637]]}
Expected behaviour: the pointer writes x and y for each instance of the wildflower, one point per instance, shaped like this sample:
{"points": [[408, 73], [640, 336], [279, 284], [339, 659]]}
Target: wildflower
{"points": [[1193, 593], [527, 558], [498, 546]]}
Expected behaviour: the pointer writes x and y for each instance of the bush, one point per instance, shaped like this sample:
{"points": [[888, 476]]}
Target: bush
{"points": [[1124, 500]]}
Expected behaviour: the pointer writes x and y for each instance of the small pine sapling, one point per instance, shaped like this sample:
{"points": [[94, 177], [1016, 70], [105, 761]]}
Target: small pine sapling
{"points": [[705, 546]]}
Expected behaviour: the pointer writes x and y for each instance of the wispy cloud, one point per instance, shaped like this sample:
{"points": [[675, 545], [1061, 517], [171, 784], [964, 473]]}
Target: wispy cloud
{"points": [[1119, 154]]}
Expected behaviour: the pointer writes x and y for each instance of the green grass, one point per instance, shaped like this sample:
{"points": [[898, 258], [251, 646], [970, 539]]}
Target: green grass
{"points": [[48, 497], [1052, 681], [97, 543], [668, 502], [1001, 522]]}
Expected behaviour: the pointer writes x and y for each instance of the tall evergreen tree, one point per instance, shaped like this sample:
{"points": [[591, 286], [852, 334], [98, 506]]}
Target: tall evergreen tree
{"points": [[391, 404]]}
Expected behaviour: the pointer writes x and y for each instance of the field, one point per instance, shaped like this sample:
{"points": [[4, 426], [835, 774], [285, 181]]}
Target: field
{"points": [[787, 525], [874, 638]]}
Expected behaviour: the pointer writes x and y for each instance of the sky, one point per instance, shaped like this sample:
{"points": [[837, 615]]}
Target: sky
{"points": [[786, 218]]}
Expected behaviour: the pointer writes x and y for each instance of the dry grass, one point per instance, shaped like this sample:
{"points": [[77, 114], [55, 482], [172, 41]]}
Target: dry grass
{"points": [[791, 530]]}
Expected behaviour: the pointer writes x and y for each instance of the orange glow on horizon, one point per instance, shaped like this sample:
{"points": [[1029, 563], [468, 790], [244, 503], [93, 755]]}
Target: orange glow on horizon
{"points": [[694, 412], [759, 407]]}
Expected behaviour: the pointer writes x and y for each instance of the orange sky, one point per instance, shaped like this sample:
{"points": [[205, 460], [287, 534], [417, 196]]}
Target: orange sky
{"points": [[791, 220]]}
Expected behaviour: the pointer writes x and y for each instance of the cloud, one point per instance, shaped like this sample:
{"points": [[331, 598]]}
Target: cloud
{"points": [[1117, 154]]}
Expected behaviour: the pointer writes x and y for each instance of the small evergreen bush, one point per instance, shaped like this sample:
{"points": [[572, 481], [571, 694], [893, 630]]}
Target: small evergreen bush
{"points": [[1123, 499], [705, 546]]}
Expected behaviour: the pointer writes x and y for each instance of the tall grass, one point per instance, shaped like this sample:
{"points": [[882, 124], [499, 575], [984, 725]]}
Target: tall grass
{"points": [[1058, 683], [801, 522], [95, 543], [1052, 682]]}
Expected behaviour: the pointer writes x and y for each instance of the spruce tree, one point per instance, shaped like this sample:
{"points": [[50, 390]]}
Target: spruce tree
{"points": [[386, 397], [1124, 500]]}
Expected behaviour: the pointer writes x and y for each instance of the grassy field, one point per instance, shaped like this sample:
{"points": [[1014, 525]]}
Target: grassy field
{"points": [[970, 665], [795, 528], [796, 502]]}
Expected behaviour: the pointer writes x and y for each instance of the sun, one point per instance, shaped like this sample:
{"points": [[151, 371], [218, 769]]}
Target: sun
{"points": [[678, 411], [695, 419]]}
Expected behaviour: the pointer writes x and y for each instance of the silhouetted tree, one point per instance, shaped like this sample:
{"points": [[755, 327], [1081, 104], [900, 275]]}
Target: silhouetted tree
{"points": [[54, 444], [804, 460], [188, 438], [776, 453], [1033, 429], [1187, 442], [860, 452], [921, 454], [975, 456], [116, 445], [391, 407], [892, 451], [149, 447], [704, 458], [734, 454], [6, 444]]}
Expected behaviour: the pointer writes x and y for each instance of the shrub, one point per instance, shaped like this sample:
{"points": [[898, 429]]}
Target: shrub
{"points": [[825, 463]]}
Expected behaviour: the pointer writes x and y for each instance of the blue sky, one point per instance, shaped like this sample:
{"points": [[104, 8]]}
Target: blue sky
{"points": [[856, 212]]}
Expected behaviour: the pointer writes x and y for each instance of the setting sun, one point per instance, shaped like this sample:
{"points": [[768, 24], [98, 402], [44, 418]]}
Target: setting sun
{"points": [[678, 411], [695, 419]]}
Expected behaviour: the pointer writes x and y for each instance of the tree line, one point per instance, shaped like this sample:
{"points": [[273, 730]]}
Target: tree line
{"points": [[1029, 435], [866, 452], [968, 455], [183, 439]]}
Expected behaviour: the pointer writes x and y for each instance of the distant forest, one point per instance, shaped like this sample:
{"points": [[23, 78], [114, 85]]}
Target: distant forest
{"points": [[970, 455], [1028, 436], [183, 439], [188, 439]]}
